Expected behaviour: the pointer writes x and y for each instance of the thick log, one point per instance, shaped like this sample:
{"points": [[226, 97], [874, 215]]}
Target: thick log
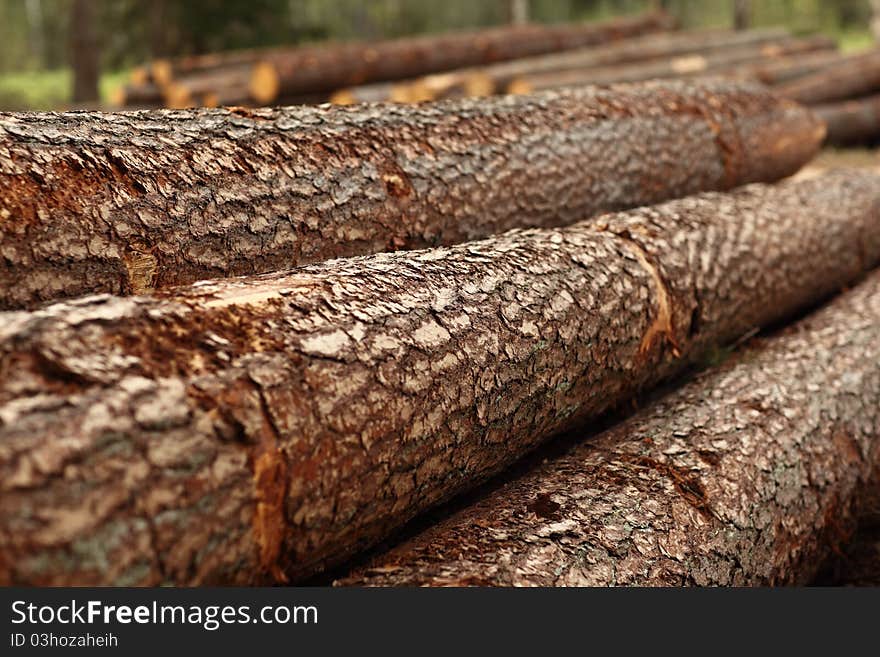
{"points": [[857, 75], [137, 95], [749, 475], [327, 68], [677, 67], [858, 562], [785, 68], [252, 429], [130, 202], [485, 80], [852, 121]]}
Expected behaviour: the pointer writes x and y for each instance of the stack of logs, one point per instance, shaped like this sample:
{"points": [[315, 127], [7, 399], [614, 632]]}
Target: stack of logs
{"points": [[523, 59], [404, 300]]}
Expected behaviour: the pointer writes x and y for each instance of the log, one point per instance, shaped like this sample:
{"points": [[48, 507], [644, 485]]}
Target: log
{"points": [[785, 68], [137, 95], [133, 202], [851, 121], [858, 562], [857, 75], [495, 78], [327, 68], [259, 429], [745, 476], [677, 67]]}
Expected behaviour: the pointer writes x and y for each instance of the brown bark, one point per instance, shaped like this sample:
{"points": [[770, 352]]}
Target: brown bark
{"points": [[496, 77], [858, 562], [138, 95], [678, 67], [85, 53], [261, 428], [327, 68], [786, 68], [749, 475], [852, 121], [857, 75], [131, 202]]}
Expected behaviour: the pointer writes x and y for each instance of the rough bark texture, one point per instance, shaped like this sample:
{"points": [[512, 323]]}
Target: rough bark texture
{"points": [[852, 121], [858, 562], [746, 476], [677, 67], [330, 67], [262, 428], [856, 76], [130, 202], [496, 77]]}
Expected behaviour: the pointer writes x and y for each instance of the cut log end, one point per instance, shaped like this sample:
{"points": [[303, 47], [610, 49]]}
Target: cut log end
{"points": [[265, 83]]}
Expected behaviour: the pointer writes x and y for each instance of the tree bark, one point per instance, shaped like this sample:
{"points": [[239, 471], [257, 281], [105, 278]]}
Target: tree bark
{"points": [[256, 429], [857, 75], [785, 68], [852, 121], [496, 77], [858, 562], [85, 52], [327, 68], [747, 476], [131, 202], [677, 67]]}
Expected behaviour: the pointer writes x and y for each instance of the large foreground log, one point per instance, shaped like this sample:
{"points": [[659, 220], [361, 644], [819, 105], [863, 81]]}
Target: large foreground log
{"points": [[130, 202], [262, 428], [747, 476], [857, 563], [676, 67], [326, 68], [486, 80], [858, 75], [852, 121]]}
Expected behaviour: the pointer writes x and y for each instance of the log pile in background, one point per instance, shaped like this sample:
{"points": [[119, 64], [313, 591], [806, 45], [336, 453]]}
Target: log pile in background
{"points": [[126, 203], [746, 476], [259, 429], [496, 78], [310, 73]]}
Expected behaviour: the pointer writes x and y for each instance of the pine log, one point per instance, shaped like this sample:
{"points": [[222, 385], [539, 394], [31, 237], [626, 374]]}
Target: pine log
{"points": [[137, 95], [851, 121], [677, 67], [785, 68], [748, 475], [858, 562], [329, 67], [857, 75], [486, 80], [130, 202], [256, 429]]}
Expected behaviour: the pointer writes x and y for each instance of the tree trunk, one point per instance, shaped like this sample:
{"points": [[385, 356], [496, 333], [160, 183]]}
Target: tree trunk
{"points": [[128, 203], [496, 77], [852, 121], [262, 428], [855, 76], [746, 476], [742, 14], [327, 68], [519, 11], [85, 53], [677, 67]]}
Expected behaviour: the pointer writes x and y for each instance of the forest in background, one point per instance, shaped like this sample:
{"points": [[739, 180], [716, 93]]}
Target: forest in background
{"points": [[38, 37]]}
